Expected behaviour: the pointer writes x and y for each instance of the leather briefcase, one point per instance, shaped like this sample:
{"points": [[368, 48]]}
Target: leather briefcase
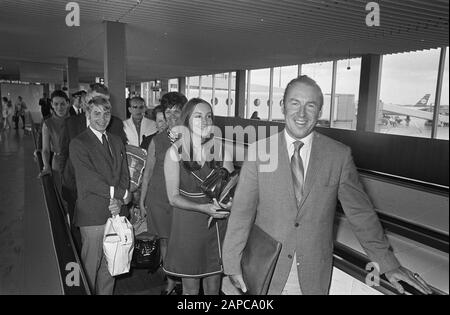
{"points": [[259, 259]]}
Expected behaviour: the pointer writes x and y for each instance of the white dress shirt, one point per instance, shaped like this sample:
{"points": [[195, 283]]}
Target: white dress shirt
{"points": [[292, 286], [77, 110]]}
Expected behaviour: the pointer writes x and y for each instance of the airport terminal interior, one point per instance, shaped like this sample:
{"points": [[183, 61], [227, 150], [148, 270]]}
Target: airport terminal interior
{"points": [[382, 66]]}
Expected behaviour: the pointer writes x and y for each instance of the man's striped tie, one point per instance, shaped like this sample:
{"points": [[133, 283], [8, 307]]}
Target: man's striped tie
{"points": [[298, 173]]}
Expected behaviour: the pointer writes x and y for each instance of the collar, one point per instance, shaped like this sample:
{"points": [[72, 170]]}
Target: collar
{"points": [[290, 140], [99, 134]]}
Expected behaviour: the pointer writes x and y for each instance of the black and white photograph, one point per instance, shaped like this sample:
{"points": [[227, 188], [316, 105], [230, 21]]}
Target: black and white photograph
{"points": [[235, 150]]}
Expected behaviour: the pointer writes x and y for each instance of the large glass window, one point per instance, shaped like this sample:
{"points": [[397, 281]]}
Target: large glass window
{"points": [[173, 85], [346, 95], [281, 77], [258, 100], [224, 93], [151, 92], [442, 130], [192, 87], [207, 89], [408, 85], [322, 73]]}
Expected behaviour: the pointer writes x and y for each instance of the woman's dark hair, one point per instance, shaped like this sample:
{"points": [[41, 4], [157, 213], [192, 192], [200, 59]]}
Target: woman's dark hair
{"points": [[5, 99], [186, 114], [173, 99]]}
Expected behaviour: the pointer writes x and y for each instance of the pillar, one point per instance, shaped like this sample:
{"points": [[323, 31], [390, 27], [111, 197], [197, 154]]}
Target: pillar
{"points": [[72, 75], [369, 93], [115, 66]]}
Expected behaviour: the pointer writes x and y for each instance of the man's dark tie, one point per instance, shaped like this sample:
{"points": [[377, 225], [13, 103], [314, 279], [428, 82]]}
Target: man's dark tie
{"points": [[298, 173], [106, 145]]}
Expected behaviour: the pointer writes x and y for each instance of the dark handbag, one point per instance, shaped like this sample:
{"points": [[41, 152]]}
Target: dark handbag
{"points": [[146, 254], [220, 184], [258, 262]]}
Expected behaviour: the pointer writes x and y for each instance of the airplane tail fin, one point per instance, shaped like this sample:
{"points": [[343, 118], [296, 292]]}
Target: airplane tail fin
{"points": [[423, 101]]}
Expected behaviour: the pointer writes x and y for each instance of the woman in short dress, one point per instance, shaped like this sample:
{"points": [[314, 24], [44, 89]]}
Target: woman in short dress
{"points": [[153, 194], [194, 251]]}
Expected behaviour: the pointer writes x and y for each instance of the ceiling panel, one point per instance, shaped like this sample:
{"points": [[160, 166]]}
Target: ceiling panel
{"points": [[169, 38]]}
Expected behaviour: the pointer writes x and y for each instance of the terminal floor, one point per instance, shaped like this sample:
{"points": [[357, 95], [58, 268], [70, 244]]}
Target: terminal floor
{"points": [[28, 263], [12, 190]]}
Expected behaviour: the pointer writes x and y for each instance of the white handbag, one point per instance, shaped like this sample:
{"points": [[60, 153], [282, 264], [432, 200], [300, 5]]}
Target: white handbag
{"points": [[118, 245]]}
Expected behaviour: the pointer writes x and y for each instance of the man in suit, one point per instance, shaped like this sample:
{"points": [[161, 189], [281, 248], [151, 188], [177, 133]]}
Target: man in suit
{"points": [[46, 107], [102, 180], [74, 125], [137, 126], [293, 198], [78, 100]]}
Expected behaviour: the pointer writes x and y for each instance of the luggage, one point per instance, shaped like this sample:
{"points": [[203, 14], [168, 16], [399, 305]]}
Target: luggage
{"points": [[146, 254], [136, 157], [118, 245], [259, 259]]}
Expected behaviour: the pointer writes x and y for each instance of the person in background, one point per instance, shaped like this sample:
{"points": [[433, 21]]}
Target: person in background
{"points": [[128, 103], [3, 112], [20, 108], [9, 115], [137, 126], [194, 249], [255, 115], [2, 105], [154, 195], [101, 172], [46, 107], [159, 117], [51, 133], [78, 100]]}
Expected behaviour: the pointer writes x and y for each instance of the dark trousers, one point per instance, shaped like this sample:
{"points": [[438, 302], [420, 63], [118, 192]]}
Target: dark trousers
{"points": [[17, 121]]}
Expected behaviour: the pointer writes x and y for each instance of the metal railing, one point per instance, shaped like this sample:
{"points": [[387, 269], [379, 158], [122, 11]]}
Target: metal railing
{"points": [[73, 283]]}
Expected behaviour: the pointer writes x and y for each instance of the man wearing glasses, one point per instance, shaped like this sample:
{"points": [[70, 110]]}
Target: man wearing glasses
{"points": [[137, 126]]}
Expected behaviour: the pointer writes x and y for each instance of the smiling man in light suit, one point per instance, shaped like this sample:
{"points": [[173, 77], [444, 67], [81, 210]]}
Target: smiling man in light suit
{"points": [[296, 202]]}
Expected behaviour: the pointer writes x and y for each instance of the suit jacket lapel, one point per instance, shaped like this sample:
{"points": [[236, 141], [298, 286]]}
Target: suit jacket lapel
{"points": [[315, 162], [114, 151], [101, 149], [284, 168]]}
